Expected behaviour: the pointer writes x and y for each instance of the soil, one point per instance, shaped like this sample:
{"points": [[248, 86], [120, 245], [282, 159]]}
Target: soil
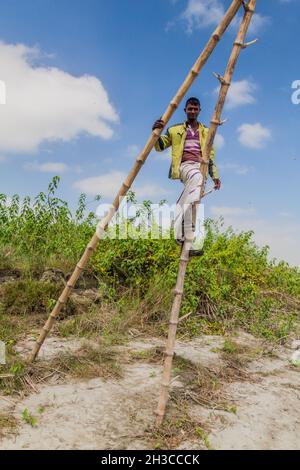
{"points": [[117, 414]]}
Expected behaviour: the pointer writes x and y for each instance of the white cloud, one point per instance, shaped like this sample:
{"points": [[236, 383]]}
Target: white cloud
{"points": [[282, 238], [107, 185], [48, 167], [254, 135], [166, 155], [133, 150], [240, 93], [231, 211], [235, 168], [78, 169], [2, 92], [202, 13], [285, 214], [219, 142], [258, 23], [48, 104], [151, 191]]}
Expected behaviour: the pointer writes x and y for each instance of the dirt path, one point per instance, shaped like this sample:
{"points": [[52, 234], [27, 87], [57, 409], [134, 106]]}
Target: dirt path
{"points": [[116, 414]]}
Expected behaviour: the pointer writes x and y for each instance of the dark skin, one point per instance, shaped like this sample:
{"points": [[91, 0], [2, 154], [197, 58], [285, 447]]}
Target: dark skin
{"points": [[192, 112]]}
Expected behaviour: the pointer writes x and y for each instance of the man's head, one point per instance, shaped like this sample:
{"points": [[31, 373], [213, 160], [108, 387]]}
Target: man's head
{"points": [[192, 108]]}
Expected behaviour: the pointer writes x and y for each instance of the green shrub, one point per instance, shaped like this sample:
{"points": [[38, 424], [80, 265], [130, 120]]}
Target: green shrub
{"points": [[233, 284]]}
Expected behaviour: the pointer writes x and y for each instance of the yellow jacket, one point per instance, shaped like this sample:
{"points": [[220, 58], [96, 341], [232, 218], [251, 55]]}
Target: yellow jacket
{"points": [[176, 136]]}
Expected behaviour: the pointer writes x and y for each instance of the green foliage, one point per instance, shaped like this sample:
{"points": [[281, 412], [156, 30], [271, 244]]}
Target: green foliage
{"points": [[200, 433], [233, 284], [229, 347], [29, 418], [28, 296], [44, 226]]}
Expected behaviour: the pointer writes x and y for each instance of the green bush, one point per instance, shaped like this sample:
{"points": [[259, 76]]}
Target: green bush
{"points": [[233, 284], [27, 296]]}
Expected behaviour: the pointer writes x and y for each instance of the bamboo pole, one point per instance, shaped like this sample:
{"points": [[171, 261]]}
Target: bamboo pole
{"points": [[225, 82], [103, 224], [184, 257]]}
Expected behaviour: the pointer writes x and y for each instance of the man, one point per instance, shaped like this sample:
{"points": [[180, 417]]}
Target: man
{"points": [[187, 140]]}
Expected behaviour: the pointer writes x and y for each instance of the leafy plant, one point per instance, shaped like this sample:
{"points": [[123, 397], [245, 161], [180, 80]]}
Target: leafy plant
{"points": [[29, 418], [234, 284]]}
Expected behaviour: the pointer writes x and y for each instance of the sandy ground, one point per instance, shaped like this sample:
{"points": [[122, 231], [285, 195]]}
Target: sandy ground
{"points": [[114, 414]]}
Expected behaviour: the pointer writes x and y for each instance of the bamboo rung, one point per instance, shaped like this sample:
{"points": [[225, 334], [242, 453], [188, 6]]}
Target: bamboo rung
{"points": [[168, 354], [243, 45], [246, 44], [164, 384], [240, 44], [184, 317], [247, 7], [177, 292], [173, 322], [218, 123], [221, 79]]}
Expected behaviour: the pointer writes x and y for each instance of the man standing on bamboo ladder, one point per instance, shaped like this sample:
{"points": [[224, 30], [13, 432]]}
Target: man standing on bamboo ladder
{"points": [[187, 140]]}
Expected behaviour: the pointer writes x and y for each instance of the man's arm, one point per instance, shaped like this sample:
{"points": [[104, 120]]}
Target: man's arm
{"points": [[165, 140], [213, 169]]}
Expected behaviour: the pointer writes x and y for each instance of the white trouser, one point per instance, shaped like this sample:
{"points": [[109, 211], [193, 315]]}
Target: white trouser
{"points": [[191, 177]]}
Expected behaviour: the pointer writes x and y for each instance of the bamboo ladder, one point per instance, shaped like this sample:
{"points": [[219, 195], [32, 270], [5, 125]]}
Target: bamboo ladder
{"points": [[184, 257], [103, 224]]}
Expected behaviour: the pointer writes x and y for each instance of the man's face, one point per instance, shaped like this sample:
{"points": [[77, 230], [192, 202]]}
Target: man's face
{"points": [[192, 111]]}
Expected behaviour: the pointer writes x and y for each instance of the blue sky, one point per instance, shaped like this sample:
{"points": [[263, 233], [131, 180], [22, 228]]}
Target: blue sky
{"points": [[86, 79]]}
